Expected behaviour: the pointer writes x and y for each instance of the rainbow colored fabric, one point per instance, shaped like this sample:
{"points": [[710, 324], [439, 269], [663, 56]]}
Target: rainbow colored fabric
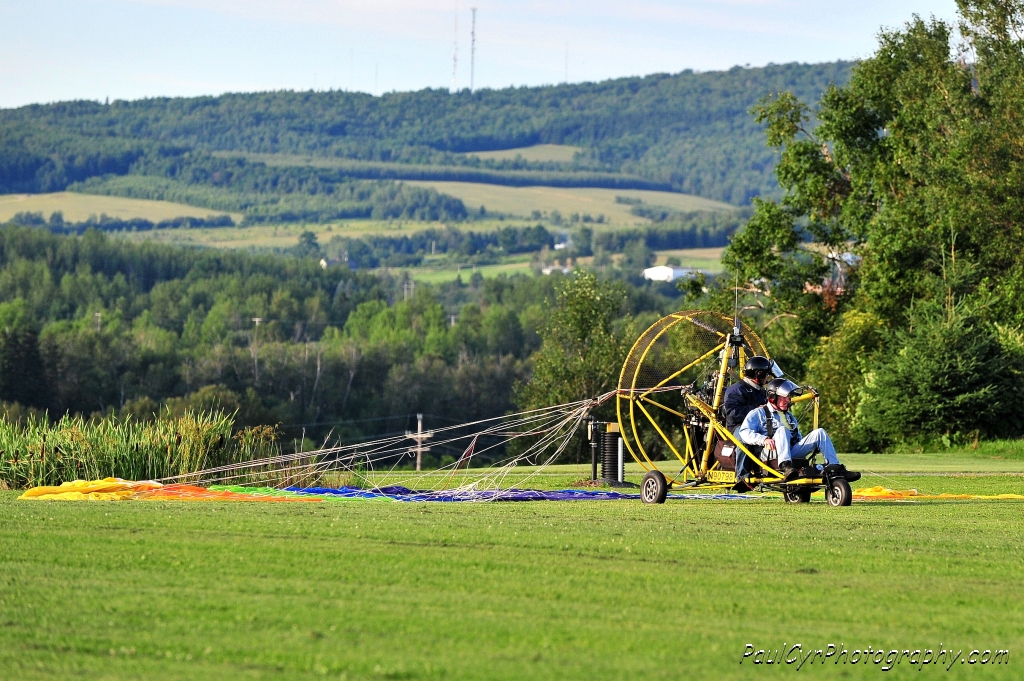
{"points": [[116, 489]]}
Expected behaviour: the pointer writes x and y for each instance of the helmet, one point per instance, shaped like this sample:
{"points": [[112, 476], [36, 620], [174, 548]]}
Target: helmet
{"points": [[755, 364], [781, 387], [758, 368]]}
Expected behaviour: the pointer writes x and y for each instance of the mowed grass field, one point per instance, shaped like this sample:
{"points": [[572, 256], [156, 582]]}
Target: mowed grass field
{"points": [[437, 275], [539, 153], [591, 590], [522, 201], [700, 258], [79, 207]]}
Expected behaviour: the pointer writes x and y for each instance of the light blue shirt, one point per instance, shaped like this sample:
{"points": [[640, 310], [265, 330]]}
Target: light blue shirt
{"points": [[754, 430]]}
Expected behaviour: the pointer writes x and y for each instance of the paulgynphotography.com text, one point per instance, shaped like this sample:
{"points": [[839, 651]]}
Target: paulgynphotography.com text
{"points": [[798, 655]]}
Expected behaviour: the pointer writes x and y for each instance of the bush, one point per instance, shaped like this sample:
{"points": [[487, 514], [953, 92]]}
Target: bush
{"points": [[951, 374], [837, 370]]}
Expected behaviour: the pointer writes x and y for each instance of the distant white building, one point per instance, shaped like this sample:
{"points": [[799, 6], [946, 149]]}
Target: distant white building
{"points": [[667, 272]]}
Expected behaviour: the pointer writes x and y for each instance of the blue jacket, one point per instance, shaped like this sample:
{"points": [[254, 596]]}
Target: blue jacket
{"points": [[754, 430], [737, 402]]}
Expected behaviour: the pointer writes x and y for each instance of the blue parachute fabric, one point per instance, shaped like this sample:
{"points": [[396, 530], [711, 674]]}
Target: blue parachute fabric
{"points": [[399, 493]]}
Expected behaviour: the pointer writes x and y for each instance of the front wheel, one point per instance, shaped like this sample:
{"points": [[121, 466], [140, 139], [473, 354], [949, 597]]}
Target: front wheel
{"points": [[839, 493], [654, 488]]}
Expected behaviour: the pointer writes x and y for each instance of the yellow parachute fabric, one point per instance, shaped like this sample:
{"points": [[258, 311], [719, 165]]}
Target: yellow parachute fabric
{"points": [[886, 494], [107, 489]]}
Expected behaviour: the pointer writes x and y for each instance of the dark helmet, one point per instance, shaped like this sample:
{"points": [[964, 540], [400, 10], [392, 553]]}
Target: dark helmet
{"points": [[781, 387], [757, 367]]}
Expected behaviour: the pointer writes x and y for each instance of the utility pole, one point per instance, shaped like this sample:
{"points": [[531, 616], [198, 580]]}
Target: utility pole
{"points": [[256, 350], [472, 49], [420, 438]]}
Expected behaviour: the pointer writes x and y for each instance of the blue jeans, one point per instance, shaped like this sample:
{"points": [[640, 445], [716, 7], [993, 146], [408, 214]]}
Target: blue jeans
{"points": [[742, 469], [815, 440]]}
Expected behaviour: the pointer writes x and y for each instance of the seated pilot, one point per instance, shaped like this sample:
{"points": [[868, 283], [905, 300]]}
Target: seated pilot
{"points": [[775, 428]]}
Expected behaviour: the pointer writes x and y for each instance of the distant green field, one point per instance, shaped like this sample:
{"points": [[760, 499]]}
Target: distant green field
{"points": [[79, 207], [432, 275], [522, 201], [699, 258], [541, 153], [571, 590]]}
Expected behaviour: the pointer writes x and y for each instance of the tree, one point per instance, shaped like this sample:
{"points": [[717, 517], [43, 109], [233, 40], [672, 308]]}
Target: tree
{"points": [[912, 170], [581, 353], [21, 366]]}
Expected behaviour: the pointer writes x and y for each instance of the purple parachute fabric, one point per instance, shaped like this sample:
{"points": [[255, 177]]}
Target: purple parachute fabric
{"points": [[398, 493]]}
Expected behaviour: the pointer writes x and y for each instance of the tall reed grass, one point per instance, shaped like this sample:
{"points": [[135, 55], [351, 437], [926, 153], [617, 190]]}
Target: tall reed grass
{"points": [[37, 451]]}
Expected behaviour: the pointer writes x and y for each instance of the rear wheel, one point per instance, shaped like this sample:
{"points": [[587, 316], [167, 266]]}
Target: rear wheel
{"points": [[839, 493], [802, 496], [654, 488]]}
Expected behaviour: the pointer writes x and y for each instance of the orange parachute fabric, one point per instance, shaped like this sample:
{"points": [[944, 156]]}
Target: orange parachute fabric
{"points": [[116, 489], [879, 493], [194, 493]]}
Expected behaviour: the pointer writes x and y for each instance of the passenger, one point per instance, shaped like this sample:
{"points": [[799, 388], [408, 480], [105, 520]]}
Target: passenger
{"points": [[775, 428], [739, 400]]}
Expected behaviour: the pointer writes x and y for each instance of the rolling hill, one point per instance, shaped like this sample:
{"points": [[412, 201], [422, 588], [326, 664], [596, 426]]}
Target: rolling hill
{"points": [[686, 132]]}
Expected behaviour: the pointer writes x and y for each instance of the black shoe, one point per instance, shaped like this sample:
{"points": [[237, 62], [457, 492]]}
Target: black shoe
{"points": [[838, 470], [742, 486], [787, 469]]}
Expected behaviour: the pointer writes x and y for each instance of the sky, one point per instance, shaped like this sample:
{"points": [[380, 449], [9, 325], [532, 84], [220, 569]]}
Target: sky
{"points": [[56, 50]]}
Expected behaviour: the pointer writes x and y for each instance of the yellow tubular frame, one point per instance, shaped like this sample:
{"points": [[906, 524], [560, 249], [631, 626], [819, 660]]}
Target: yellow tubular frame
{"points": [[719, 388], [692, 466], [706, 409], [633, 399]]}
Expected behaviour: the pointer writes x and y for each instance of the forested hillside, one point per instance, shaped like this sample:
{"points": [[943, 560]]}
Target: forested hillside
{"points": [[95, 325], [689, 131]]}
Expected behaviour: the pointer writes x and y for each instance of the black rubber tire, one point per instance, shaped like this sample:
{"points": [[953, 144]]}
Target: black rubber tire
{"points": [[802, 496], [838, 493], [653, 488]]}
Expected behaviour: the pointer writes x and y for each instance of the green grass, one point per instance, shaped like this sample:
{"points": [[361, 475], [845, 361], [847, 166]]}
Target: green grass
{"points": [[595, 590], [541, 153], [79, 207], [436, 276], [700, 258]]}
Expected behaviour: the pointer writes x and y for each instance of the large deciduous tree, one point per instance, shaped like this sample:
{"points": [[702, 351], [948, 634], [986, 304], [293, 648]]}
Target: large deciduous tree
{"points": [[904, 188]]}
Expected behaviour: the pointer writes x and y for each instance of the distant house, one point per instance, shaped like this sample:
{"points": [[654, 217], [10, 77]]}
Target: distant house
{"points": [[668, 272]]}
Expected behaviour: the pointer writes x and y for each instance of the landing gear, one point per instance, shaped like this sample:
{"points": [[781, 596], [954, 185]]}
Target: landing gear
{"points": [[838, 492], [654, 488]]}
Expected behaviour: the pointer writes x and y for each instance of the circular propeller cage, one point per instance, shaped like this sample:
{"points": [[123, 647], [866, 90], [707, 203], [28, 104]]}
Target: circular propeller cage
{"points": [[674, 363]]}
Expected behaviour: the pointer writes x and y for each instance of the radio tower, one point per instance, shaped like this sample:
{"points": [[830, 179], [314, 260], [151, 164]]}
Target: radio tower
{"points": [[472, 49], [455, 52]]}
